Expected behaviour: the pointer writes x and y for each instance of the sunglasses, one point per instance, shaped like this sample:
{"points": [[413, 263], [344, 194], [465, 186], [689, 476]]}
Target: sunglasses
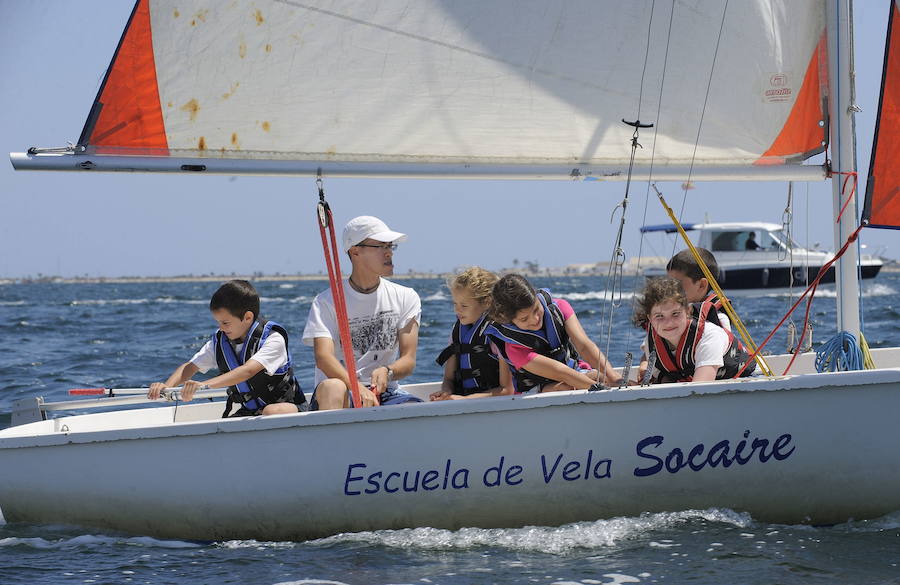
{"points": [[380, 246]]}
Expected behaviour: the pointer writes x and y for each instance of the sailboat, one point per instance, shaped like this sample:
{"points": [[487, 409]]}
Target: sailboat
{"points": [[508, 89]]}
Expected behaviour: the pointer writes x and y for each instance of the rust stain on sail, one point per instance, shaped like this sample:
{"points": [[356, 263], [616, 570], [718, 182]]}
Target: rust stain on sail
{"points": [[242, 50], [201, 144], [259, 17], [231, 91], [176, 13], [192, 107], [234, 140], [268, 48], [266, 126]]}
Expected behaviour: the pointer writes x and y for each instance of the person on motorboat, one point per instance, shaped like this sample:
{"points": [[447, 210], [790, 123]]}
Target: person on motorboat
{"points": [[542, 340], [751, 243], [471, 369], [384, 324], [250, 352], [688, 347]]}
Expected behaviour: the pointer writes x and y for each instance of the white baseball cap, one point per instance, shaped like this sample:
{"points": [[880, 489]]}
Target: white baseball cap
{"points": [[364, 227]]}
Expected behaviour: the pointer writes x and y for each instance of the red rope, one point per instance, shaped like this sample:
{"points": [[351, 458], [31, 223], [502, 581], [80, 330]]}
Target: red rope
{"points": [[849, 174], [811, 290], [335, 281]]}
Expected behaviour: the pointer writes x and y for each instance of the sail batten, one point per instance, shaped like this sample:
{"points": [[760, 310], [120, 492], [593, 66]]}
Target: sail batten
{"points": [[508, 83]]}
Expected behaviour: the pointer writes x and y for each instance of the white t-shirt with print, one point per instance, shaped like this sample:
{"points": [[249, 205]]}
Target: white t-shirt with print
{"points": [[271, 354], [375, 319]]}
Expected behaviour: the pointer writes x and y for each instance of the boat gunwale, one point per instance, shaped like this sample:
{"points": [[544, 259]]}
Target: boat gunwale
{"points": [[793, 382]]}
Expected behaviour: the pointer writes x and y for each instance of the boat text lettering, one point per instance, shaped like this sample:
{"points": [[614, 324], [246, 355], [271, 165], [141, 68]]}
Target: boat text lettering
{"points": [[572, 470], [407, 481], [720, 454]]}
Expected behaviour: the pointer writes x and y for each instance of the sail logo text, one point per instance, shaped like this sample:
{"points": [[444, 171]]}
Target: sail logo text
{"points": [[654, 456]]}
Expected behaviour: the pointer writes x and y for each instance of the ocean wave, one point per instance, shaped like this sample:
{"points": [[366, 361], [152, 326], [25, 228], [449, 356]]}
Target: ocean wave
{"points": [[438, 296], [91, 541], [829, 291], [887, 522], [599, 295], [553, 540], [160, 300], [12, 303], [311, 582]]}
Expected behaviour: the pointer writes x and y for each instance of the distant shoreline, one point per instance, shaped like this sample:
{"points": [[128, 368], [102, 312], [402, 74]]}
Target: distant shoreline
{"points": [[595, 270]]}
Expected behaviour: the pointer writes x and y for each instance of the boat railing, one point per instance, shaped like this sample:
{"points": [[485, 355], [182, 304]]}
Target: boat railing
{"points": [[34, 409]]}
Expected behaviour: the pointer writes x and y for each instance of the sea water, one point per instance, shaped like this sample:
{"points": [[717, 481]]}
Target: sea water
{"points": [[56, 336]]}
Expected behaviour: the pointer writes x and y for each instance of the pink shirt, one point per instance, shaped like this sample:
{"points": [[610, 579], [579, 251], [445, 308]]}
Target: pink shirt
{"points": [[520, 355]]}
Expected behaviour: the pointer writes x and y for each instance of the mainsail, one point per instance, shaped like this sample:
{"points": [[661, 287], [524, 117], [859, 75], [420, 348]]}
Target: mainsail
{"points": [[882, 206], [506, 87]]}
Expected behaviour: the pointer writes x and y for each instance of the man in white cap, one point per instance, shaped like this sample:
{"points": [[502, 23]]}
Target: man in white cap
{"points": [[384, 323]]}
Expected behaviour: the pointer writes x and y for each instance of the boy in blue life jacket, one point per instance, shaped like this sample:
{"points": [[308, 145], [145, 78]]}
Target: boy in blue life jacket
{"points": [[252, 356]]}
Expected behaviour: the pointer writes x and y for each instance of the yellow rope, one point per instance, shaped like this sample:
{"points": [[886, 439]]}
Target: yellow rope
{"points": [[726, 304], [868, 362]]}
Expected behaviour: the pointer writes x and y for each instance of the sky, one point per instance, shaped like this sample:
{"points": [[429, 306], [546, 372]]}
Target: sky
{"points": [[55, 53]]}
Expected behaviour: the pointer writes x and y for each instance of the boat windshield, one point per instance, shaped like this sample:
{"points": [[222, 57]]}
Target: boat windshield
{"points": [[742, 240]]}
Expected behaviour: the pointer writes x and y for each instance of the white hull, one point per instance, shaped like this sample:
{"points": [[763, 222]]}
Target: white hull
{"points": [[830, 455]]}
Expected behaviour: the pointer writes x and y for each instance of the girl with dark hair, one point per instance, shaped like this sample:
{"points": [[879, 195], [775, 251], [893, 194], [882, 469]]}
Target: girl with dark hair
{"points": [[542, 341]]}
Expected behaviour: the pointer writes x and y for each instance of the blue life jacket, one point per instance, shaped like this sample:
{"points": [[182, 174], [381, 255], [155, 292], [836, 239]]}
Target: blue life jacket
{"points": [[551, 341], [679, 365], [262, 389], [477, 369]]}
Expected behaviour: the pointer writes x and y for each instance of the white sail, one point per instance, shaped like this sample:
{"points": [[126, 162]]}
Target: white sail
{"points": [[505, 84]]}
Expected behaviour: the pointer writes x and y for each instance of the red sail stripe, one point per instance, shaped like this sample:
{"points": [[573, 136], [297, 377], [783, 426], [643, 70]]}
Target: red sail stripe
{"points": [[882, 208], [131, 115]]}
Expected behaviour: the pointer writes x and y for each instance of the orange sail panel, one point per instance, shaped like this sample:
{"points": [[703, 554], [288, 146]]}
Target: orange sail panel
{"points": [[882, 207], [128, 114], [804, 131]]}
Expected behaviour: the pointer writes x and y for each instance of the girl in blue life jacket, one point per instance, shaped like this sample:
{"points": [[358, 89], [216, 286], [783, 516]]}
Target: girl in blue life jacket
{"points": [[688, 345], [542, 341], [471, 370]]}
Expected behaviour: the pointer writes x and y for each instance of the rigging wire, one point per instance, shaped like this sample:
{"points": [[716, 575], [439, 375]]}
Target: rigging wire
{"points": [[745, 335], [615, 273]]}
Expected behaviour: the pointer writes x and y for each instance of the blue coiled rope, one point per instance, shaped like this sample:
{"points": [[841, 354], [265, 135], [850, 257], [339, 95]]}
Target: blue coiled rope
{"points": [[841, 353]]}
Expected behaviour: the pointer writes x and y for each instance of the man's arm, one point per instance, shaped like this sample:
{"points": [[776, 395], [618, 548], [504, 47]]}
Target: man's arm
{"points": [[403, 366]]}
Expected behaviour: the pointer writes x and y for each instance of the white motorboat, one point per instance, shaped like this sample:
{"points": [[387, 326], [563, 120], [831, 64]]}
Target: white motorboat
{"points": [[498, 90], [771, 261]]}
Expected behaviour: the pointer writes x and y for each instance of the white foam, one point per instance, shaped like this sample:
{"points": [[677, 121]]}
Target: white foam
{"points": [[236, 544], [287, 285], [554, 540], [11, 303]]}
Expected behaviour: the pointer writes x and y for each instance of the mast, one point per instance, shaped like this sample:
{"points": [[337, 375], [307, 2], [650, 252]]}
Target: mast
{"points": [[843, 159]]}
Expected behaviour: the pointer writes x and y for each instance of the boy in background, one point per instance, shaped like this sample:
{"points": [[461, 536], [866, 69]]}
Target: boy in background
{"points": [[251, 354], [683, 267]]}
